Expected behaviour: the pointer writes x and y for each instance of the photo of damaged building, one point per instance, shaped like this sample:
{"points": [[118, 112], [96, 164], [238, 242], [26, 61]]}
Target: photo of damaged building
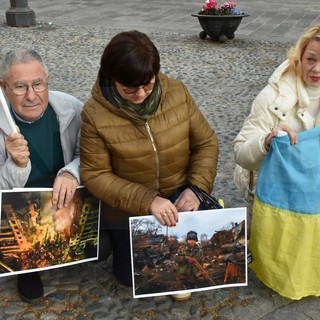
{"points": [[164, 263], [36, 235]]}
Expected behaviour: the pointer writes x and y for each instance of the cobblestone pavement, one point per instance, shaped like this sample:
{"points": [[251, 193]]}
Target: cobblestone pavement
{"points": [[272, 20], [223, 78]]}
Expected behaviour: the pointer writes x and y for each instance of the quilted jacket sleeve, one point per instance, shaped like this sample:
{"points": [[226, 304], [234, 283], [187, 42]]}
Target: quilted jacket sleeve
{"points": [[98, 176]]}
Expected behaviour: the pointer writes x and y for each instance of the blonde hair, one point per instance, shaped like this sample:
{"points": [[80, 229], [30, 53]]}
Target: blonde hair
{"points": [[295, 53]]}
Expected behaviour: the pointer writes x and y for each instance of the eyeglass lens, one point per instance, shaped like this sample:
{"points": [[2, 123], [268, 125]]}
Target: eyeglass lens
{"points": [[131, 90], [22, 88]]}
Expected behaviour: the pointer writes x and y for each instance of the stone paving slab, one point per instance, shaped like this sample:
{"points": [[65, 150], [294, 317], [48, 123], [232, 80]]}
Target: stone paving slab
{"points": [[269, 20]]}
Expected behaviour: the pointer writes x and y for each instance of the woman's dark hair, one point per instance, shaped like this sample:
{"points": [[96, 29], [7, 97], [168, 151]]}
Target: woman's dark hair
{"points": [[130, 58]]}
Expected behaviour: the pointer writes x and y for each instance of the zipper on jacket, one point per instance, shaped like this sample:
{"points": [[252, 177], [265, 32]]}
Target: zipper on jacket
{"points": [[155, 153]]}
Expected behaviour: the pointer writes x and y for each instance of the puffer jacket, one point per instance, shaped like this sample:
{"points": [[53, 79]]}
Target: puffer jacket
{"points": [[283, 100], [126, 162]]}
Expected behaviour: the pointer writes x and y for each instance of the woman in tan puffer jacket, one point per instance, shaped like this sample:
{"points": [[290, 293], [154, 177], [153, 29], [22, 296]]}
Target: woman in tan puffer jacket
{"points": [[143, 141]]}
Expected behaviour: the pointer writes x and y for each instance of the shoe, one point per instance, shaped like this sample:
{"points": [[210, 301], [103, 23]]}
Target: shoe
{"points": [[181, 296], [30, 287], [250, 257]]}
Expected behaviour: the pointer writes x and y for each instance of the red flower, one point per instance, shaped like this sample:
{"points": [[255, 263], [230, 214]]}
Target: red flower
{"points": [[226, 8]]}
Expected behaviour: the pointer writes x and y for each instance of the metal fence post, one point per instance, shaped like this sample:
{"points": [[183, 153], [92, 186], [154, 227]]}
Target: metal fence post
{"points": [[19, 14]]}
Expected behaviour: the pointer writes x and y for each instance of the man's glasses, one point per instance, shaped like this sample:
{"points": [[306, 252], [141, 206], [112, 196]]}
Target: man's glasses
{"points": [[133, 90], [20, 89]]}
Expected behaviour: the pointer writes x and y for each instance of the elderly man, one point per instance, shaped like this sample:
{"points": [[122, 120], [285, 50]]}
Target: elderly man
{"points": [[44, 152]]}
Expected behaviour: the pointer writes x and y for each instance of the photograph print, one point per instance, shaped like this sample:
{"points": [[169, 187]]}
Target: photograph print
{"points": [[205, 250], [36, 235]]}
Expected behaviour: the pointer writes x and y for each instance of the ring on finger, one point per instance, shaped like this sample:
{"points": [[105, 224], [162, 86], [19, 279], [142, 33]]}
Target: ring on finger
{"points": [[164, 214]]}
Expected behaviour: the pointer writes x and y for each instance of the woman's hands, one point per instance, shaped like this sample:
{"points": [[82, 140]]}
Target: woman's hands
{"points": [[164, 211], [167, 213], [187, 201], [292, 134]]}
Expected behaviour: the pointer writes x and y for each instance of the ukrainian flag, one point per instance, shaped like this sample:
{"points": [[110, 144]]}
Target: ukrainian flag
{"points": [[285, 230]]}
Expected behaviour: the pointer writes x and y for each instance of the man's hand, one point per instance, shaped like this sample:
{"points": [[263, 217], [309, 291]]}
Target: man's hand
{"points": [[64, 187], [17, 147]]}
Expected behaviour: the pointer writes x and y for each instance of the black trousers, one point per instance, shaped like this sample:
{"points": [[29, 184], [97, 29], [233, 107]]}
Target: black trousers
{"points": [[120, 242]]}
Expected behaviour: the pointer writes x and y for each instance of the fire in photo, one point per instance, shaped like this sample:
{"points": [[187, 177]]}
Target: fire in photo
{"points": [[35, 234]]}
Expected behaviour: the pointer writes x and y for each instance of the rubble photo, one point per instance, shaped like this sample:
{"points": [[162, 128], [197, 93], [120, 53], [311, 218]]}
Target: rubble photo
{"points": [[202, 256]]}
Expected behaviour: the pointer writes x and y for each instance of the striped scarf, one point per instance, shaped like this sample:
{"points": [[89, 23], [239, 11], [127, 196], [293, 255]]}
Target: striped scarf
{"points": [[144, 109]]}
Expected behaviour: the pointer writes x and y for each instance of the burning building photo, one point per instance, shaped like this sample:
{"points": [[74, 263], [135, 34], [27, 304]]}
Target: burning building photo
{"points": [[34, 234], [206, 250]]}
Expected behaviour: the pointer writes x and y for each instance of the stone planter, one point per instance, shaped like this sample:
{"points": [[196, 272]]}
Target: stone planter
{"points": [[219, 27]]}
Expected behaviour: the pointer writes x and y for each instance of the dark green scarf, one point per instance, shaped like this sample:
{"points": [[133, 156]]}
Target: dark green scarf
{"points": [[144, 109]]}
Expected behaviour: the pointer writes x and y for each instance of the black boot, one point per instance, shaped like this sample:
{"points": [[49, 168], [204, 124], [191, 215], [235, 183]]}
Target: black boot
{"points": [[30, 287]]}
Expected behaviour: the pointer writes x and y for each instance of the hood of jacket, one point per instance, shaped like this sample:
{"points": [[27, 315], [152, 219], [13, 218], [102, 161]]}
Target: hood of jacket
{"points": [[287, 92]]}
